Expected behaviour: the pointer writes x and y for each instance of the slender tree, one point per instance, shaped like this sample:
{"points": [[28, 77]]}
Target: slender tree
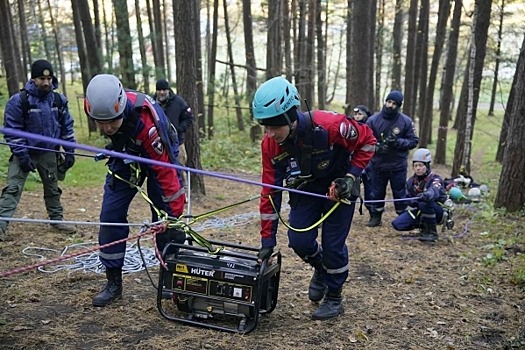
{"points": [[321, 58], [186, 13], [142, 49], [9, 55], [125, 50], [249, 52], [409, 105], [26, 51], [397, 41], [379, 49], [237, 100], [481, 21], [447, 85], [212, 70], [274, 44], [93, 56], [497, 58], [502, 143], [362, 55], [425, 135], [57, 41], [160, 68]]}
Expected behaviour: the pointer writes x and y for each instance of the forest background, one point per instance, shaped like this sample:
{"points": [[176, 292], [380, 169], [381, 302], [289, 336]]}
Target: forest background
{"points": [[460, 65]]}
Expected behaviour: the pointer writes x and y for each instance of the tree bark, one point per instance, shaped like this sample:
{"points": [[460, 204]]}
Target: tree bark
{"points": [[9, 54], [511, 188], [125, 50], [236, 98], [397, 45], [186, 13], [447, 85], [409, 103], [425, 125], [461, 156]]}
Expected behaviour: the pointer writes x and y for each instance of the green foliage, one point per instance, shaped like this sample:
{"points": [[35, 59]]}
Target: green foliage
{"points": [[519, 271], [230, 149]]}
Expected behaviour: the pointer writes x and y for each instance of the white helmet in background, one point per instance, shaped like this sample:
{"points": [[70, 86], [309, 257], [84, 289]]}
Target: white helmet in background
{"points": [[105, 98], [422, 155]]}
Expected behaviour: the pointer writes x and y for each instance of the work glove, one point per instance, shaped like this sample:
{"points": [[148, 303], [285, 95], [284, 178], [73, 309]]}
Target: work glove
{"points": [[68, 161], [391, 141], [381, 148], [424, 196], [343, 187], [175, 235], [265, 253], [26, 164]]}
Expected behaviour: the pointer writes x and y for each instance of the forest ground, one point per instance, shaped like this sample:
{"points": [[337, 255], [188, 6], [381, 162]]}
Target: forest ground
{"points": [[401, 294]]}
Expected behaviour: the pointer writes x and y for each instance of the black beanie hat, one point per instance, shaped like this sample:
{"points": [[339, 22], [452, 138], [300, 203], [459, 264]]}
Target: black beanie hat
{"points": [[162, 84], [41, 68], [280, 120], [396, 96]]}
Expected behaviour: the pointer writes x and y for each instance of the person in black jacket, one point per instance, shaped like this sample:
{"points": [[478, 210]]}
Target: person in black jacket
{"points": [[178, 111]]}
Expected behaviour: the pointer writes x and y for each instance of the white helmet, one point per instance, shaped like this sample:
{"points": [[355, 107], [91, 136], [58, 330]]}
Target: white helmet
{"points": [[105, 97], [422, 155]]}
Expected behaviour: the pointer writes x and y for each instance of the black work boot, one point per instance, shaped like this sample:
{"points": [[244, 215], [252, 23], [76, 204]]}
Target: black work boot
{"points": [[331, 306], [317, 288], [112, 291], [428, 233], [375, 220]]}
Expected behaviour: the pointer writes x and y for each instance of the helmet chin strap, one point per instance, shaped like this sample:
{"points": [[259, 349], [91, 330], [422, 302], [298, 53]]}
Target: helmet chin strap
{"points": [[290, 125]]}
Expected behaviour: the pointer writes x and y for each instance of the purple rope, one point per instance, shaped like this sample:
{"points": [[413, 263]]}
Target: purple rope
{"points": [[96, 150]]}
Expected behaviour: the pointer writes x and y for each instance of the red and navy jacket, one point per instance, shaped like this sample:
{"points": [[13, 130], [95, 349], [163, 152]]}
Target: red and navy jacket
{"points": [[146, 142], [339, 146]]}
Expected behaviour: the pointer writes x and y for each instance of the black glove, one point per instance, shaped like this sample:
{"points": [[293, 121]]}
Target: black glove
{"points": [[343, 187], [175, 235], [425, 196], [381, 148], [265, 253], [68, 161], [391, 141], [26, 164]]}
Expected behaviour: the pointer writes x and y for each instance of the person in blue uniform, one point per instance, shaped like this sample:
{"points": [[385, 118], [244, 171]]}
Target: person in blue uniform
{"points": [[396, 136], [40, 116], [428, 192]]}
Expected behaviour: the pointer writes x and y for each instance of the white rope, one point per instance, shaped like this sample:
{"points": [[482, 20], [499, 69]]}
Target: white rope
{"points": [[90, 262]]}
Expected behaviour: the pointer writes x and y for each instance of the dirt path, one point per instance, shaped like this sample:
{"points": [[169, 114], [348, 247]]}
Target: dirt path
{"points": [[401, 294]]}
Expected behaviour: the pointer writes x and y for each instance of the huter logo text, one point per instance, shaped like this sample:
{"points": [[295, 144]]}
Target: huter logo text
{"points": [[201, 272]]}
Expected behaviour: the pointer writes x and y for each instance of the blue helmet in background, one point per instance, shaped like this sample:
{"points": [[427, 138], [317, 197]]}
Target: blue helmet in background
{"points": [[273, 99]]}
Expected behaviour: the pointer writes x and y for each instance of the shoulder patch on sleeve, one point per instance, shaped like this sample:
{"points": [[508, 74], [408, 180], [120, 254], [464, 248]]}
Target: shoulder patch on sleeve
{"points": [[348, 131]]}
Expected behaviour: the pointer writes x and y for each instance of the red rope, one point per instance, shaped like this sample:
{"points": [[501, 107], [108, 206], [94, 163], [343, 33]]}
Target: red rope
{"points": [[152, 230]]}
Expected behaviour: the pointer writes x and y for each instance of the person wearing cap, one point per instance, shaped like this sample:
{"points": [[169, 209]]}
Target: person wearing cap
{"points": [[396, 136], [361, 115], [428, 193], [137, 126], [40, 117], [317, 152], [178, 112]]}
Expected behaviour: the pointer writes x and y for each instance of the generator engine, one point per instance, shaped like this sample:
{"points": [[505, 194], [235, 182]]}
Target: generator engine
{"points": [[225, 291]]}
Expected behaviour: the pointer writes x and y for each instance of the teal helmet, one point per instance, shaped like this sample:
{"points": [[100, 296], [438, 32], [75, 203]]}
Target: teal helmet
{"points": [[273, 99], [455, 193]]}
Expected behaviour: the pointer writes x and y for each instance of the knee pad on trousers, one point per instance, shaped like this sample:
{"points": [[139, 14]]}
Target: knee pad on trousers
{"points": [[316, 259]]}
